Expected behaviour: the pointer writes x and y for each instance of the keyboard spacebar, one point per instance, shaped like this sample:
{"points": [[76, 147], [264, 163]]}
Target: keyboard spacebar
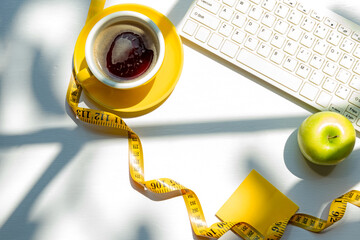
{"points": [[269, 70]]}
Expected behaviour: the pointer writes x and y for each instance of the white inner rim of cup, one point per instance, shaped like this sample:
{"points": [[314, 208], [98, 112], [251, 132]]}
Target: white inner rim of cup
{"points": [[126, 16]]}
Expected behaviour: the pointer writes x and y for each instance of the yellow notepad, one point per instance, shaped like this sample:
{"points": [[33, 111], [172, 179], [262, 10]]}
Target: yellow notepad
{"points": [[258, 203]]}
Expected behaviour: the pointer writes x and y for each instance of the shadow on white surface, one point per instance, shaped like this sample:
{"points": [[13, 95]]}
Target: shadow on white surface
{"points": [[18, 225], [230, 126], [177, 13], [345, 11], [79, 138], [321, 184], [18, 48]]}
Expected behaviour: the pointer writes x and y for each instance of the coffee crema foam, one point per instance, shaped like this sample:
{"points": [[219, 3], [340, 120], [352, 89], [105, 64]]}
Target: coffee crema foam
{"points": [[113, 45]]}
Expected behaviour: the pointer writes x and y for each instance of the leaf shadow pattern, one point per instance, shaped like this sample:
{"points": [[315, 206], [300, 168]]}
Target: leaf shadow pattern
{"points": [[17, 225]]}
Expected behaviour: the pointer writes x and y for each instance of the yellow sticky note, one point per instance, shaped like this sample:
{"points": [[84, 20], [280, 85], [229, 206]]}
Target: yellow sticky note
{"points": [[258, 203]]}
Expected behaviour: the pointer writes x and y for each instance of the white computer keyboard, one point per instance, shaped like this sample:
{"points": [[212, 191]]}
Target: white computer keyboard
{"points": [[311, 55]]}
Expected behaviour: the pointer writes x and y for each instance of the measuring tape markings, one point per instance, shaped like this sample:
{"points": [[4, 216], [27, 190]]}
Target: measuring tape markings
{"points": [[336, 212], [158, 186], [192, 203]]}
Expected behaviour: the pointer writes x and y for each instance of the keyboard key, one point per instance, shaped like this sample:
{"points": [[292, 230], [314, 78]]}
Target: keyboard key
{"points": [[294, 33], [355, 82], [202, 34], [303, 55], [243, 6], [316, 61], [238, 36], [334, 54], [267, 69], [347, 45], [205, 18], [321, 47], [356, 36], [355, 99], [329, 84], [347, 61], [282, 10], [277, 56], [255, 12], [290, 64], [226, 13], [295, 17], [330, 68], [251, 43], [190, 27], [335, 108], [321, 31], [281, 26], [307, 40], [308, 24], [353, 110], [343, 76], [269, 4], [324, 99], [268, 19], [225, 29], [252, 27], [303, 71], [265, 34], [357, 52], [331, 23], [264, 50], [344, 30], [342, 92], [315, 15], [334, 38], [356, 68], [303, 9], [291, 47], [309, 91], [229, 48], [215, 41], [278, 41], [210, 5], [349, 116], [316, 77], [239, 20]]}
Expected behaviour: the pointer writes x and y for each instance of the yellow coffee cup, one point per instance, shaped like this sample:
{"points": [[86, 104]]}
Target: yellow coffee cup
{"points": [[115, 48]]}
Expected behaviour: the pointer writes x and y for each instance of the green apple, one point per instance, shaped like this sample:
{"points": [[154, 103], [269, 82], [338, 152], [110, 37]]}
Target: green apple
{"points": [[326, 138]]}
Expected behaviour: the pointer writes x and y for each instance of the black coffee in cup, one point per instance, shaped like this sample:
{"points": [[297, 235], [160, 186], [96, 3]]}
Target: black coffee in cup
{"points": [[128, 56], [126, 51]]}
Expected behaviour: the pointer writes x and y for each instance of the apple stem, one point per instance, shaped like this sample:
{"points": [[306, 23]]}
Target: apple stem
{"points": [[333, 137]]}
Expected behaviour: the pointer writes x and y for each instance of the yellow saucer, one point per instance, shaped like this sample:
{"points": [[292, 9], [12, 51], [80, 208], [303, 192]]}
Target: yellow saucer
{"points": [[144, 99]]}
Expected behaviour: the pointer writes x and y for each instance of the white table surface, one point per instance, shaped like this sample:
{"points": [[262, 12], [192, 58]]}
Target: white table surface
{"points": [[61, 180]]}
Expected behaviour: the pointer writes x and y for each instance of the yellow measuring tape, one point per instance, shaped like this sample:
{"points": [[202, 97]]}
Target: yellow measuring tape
{"points": [[195, 212]]}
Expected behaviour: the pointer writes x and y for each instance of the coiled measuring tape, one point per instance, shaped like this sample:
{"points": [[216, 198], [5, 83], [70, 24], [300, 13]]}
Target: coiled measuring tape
{"points": [[193, 206]]}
